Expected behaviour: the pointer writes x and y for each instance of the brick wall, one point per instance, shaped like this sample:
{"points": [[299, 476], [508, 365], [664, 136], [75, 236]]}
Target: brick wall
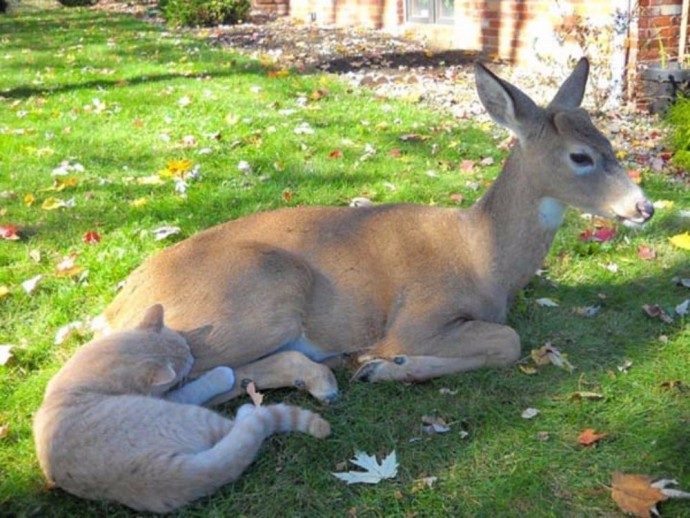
{"points": [[659, 29]]}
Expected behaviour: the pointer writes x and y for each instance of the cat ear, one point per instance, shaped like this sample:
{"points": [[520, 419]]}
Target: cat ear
{"points": [[153, 319], [162, 375]]}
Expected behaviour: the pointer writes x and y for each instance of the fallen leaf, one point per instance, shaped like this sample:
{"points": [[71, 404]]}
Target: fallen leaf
{"points": [[336, 153], [4, 430], [10, 232], [287, 196], [656, 311], [583, 394], [635, 176], [67, 331], [663, 204], [4, 290], [361, 202], [374, 472], [29, 199], [434, 425], [256, 396], [423, 483], [35, 255], [626, 366], [91, 237], [527, 369], [639, 494], [447, 392], [467, 166], [682, 308], [673, 384], [395, 153], [645, 253], [543, 436], [29, 285], [529, 413], [5, 354], [457, 197], [588, 437], [52, 203], [547, 302], [681, 240], [600, 235], [165, 232], [548, 354], [413, 137], [587, 311]]}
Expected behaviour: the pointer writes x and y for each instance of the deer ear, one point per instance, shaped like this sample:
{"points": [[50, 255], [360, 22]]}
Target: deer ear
{"points": [[153, 319], [572, 91], [161, 375], [506, 104]]}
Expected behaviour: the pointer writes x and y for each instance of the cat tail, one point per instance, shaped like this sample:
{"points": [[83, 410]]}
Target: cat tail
{"points": [[284, 418], [225, 461]]}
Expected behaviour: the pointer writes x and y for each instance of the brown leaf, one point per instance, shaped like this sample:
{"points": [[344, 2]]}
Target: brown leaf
{"points": [[634, 494], [645, 253], [256, 396], [4, 430], [395, 153], [656, 311], [583, 394], [588, 437], [336, 153]]}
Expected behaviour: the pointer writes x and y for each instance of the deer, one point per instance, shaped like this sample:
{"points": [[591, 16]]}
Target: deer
{"points": [[404, 292]]}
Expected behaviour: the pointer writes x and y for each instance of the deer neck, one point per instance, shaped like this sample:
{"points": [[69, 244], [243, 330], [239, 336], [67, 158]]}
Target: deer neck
{"points": [[520, 222]]}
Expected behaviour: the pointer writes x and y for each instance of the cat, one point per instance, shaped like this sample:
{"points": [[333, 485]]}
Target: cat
{"points": [[111, 428]]}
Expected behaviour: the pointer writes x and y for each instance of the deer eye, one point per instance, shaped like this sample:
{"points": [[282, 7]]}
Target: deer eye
{"points": [[582, 159]]}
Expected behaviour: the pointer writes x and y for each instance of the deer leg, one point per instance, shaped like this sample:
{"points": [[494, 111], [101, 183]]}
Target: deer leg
{"points": [[471, 345], [284, 369]]}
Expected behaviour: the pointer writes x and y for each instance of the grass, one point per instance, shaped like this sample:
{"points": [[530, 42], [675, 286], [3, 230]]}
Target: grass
{"points": [[123, 98]]}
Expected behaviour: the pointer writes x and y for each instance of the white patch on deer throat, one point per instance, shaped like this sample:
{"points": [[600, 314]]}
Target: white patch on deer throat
{"points": [[551, 213]]}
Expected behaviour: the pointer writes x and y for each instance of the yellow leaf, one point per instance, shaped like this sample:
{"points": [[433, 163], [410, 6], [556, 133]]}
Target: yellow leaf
{"points": [[681, 240], [61, 184], [527, 369], [139, 202], [52, 203], [4, 290], [29, 199], [176, 167]]}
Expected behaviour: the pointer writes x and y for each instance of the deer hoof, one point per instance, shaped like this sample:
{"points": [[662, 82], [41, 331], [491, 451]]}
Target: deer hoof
{"points": [[367, 372], [330, 399]]}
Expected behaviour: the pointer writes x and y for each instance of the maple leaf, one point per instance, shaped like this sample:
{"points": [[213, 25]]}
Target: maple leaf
{"points": [[640, 494], [10, 232], [681, 240], [588, 437], [374, 472]]}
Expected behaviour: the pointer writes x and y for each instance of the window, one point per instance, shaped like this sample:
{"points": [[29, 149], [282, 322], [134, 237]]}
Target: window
{"points": [[431, 11]]}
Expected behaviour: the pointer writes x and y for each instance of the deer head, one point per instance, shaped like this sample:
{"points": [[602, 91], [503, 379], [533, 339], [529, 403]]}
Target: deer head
{"points": [[562, 154]]}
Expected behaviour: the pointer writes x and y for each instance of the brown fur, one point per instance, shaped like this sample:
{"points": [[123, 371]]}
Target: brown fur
{"points": [[104, 430], [411, 292]]}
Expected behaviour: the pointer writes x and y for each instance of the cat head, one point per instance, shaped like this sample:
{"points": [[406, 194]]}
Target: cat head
{"points": [[148, 359]]}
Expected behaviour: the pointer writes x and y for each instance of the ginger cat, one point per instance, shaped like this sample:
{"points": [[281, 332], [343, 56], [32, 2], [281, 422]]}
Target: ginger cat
{"points": [[110, 427]]}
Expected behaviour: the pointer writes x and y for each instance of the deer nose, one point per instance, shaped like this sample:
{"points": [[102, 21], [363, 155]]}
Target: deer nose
{"points": [[645, 208]]}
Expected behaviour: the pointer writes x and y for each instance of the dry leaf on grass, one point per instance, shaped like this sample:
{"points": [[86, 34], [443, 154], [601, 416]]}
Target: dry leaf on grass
{"points": [[549, 354], [681, 240], [256, 396], [4, 430], [656, 311], [639, 494], [434, 425], [588, 437], [530, 413], [374, 472]]}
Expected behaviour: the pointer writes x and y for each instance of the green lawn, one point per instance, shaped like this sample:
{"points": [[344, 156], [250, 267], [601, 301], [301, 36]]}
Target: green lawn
{"points": [[121, 100]]}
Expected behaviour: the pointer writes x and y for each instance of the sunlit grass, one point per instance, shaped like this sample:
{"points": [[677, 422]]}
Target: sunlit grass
{"points": [[122, 99]]}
